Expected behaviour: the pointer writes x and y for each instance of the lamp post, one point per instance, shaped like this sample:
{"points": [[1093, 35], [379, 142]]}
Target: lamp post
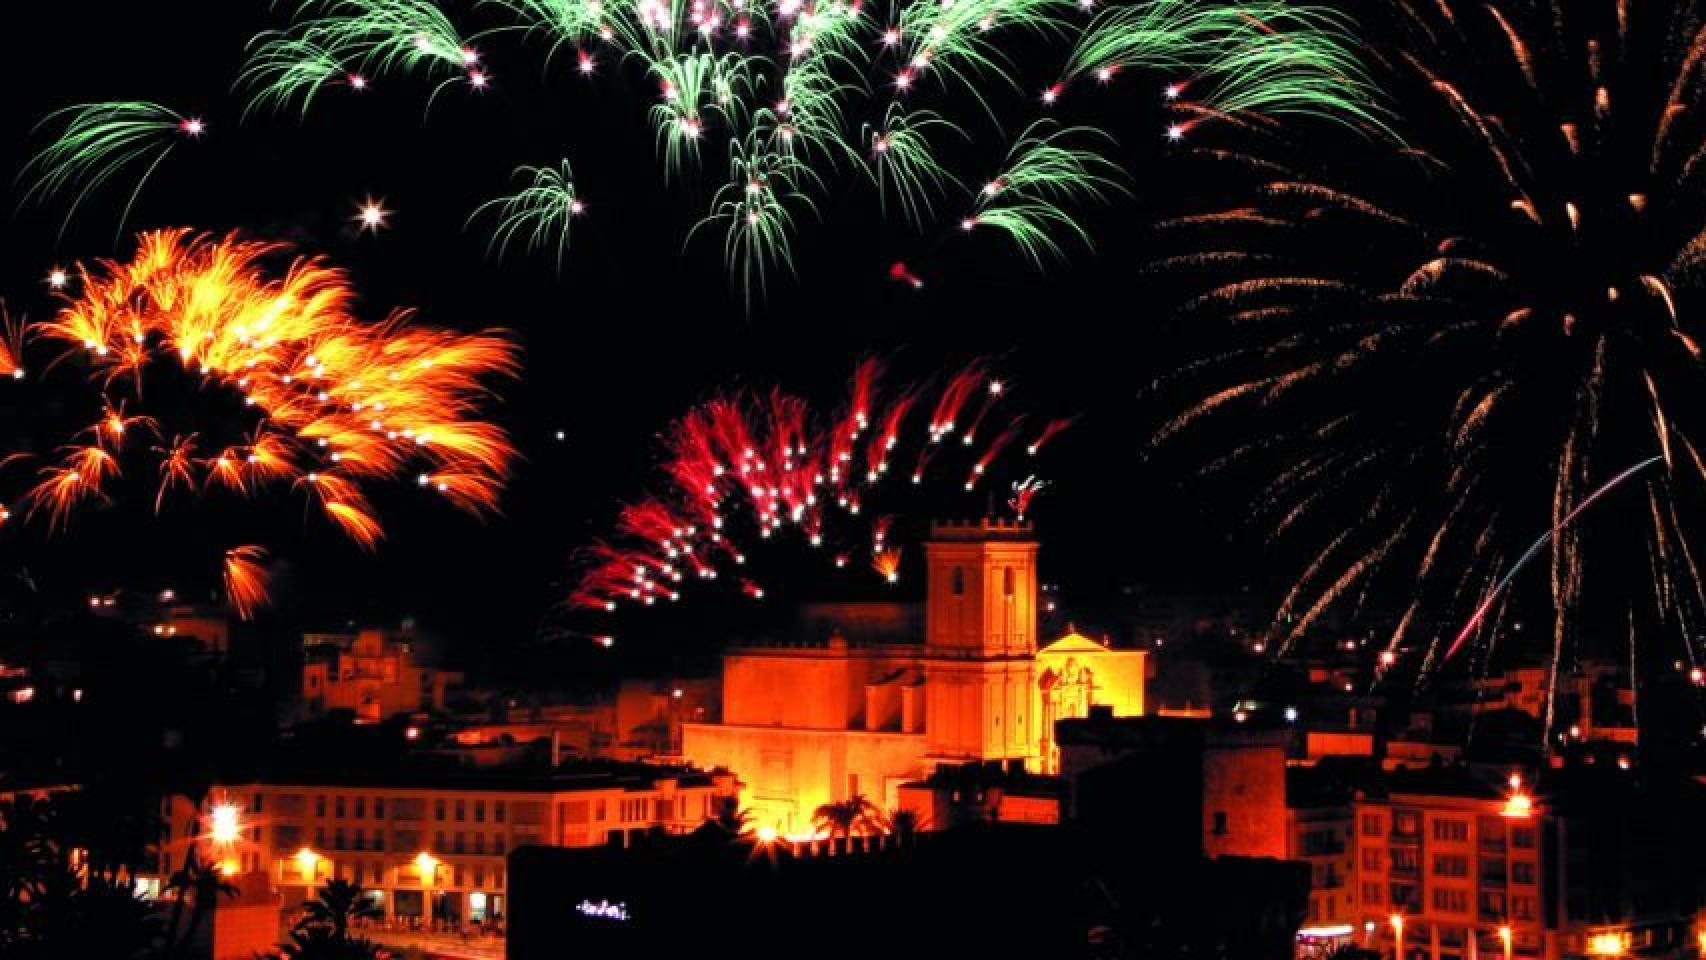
{"points": [[1397, 920], [1505, 941]]}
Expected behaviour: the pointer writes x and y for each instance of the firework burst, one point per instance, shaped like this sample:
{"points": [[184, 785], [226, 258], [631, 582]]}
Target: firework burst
{"points": [[1511, 330], [335, 404], [100, 142], [796, 94], [758, 466]]}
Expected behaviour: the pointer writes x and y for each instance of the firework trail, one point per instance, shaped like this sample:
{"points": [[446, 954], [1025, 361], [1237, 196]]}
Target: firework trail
{"points": [[1430, 340], [1535, 547], [333, 403], [764, 464], [98, 142], [247, 580], [796, 93]]}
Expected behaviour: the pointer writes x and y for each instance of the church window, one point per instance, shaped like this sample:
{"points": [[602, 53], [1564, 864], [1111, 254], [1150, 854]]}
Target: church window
{"points": [[1007, 580]]}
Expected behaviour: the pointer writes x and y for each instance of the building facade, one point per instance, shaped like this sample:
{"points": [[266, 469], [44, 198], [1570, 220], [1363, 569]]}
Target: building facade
{"points": [[814, 723], [432, 848], [374, 675]]}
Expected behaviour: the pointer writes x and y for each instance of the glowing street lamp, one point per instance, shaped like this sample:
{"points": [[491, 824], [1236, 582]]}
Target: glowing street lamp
{"points": [[307, 864], [225, 826], [1610, 944], [427, 866], [1397, 921], [1505, 940]]}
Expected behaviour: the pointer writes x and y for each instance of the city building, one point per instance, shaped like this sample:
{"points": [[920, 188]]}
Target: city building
{"points": [[870, 705], [1452, 866], [373, 674], [1184, 788], [431, 845]]}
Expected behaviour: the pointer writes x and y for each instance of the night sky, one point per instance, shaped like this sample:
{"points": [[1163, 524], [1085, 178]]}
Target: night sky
{"points": [[634, 330]]}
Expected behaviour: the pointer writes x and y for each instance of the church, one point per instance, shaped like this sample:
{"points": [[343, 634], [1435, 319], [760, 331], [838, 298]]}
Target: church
{"points": [[867, 702]]}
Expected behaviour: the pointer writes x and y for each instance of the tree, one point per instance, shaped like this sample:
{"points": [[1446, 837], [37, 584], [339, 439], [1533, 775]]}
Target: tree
{"points": [[856, 814], [904, 824], [338, 903], [323, 932], [730, 822]]}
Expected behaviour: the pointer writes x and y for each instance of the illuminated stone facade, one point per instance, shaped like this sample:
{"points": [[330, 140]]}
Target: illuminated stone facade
{"points": [[813, 723]]}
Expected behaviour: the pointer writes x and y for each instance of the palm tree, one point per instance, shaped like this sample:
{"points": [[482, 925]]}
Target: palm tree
{"points": [[856, 814], [321, 943], [323, 931], [201, 883], [338, 903], [729, 822]]}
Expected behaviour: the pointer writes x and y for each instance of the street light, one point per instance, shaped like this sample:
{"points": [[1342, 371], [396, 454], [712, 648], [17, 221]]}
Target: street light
{"points": [[1505, 939], [1397, 921], [427, 866]]}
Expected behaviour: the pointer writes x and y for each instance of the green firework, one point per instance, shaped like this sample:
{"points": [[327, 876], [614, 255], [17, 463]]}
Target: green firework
{"points": [[96, 143], [1027, 200], [540, 213]]}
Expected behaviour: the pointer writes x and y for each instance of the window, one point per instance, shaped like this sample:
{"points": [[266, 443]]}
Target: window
{"points": [[461, 810], [1371, 826], [378, 808], [1405, 860], [1449, 900], [338, 838], [340, 807], [479, 842], [479, 811], [598, 814], [1492, 906], [1522, 908], [320, 805], [1007, 581], [1451, 865], [438, 809], [360, 808], [1522, 838], [1372, 894], [498, 811], [1451, 831], [255, 803], [498, 844], [1371, 858], [959, 581], [1522, 871], [1406, 823], [1220, 823]]}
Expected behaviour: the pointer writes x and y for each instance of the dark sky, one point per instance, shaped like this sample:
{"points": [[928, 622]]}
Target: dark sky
{"points": [[635, 329]]}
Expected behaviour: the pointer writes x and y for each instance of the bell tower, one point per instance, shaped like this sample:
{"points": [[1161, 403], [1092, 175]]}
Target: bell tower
{"points": [[980, 623]]}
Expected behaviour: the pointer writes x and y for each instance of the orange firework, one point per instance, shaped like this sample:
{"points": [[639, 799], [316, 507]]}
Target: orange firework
{"points": [[340, 402], [247, 580], [886, 561]]}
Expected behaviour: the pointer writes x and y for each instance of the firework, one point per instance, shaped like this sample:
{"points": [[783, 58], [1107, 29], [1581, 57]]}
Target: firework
{"points": [[339, 403], [762, 465], [350, 41], [796, 95], [1439, 344], [1027, 200], [1024, 491], [540, 212], [100, 142], [246, 580]]}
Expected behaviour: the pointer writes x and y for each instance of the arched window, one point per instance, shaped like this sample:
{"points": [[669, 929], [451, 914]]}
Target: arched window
{"points": [[1007, 581], [959, 581]]}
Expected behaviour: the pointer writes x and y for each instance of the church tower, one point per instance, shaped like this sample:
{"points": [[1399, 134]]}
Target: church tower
{"points": [[980, 642]]}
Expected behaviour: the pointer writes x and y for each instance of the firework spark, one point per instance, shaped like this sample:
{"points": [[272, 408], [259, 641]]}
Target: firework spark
{"points": [[1508, 322], [99, 142], [796, 93], [339, 403], [761, 465], [247, 580]]}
